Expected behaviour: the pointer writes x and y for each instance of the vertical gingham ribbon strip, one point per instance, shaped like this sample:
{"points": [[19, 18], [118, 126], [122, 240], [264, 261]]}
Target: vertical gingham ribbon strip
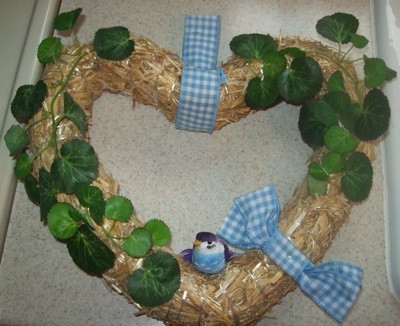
{"points": [[252, 223], [201, 78]]}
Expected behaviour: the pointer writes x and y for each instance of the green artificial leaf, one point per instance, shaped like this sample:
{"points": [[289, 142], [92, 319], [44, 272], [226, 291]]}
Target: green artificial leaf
{"points": [[77, 163], [359, 41], [113, 43], [311, 129], [73, 112], [16, 139], [138, 243], [373, 121], [317, 171], [92, 198], [27, 100], [336, 82], [326, 114], [67, 20], [81, 218], [49, 49], [23, 166], [160, 232], [302, 81], [333, 162], [273, 64], [349, 117], [252, 45], [32, 189], [375, 72], [119, 208], [338, 27], [316, 187], [261, 93], [292, 52], [391, 74], [339, 101], [61, 224], [156, 282], [48, 188], [357, 179], [89, 253], [339, 140]]}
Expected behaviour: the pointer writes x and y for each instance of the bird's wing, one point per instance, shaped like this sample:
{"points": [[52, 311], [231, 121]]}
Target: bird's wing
{"points": [[187, 255], [229, 255]]}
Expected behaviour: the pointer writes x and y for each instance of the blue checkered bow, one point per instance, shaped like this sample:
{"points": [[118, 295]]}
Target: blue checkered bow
{"points": [[201, 78], [252, 223]]}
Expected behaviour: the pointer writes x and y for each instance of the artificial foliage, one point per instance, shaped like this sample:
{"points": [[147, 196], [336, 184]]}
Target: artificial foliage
{"points": [[331, 119]]}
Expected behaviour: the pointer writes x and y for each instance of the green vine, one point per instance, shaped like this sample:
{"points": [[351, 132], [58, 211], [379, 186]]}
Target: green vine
{"points": [[335, 120], [75, 166]]}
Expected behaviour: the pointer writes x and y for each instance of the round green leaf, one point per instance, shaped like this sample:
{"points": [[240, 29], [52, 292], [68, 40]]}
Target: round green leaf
{"points": [[326, 114], [302, 81], [48, 189], [333, 162], [160, 232], [118, 208], [339, 101], [73, 112], [273, 64], [138, 243], [89, 253], [113, 43], [338, 27], [23, 166], [391, 74], [292, 52], [77, 164], [16, 138], [375, 72], [27, 100], [60, 222], [49, 49], [32, 189], [312, 130], [359, 41], [92, 198], [339, 140], [316, 187], [336, 82], [252, 45], [67, 20], [317, 171], [357, 179], [261, 93], [373, 120], [156, 282]]}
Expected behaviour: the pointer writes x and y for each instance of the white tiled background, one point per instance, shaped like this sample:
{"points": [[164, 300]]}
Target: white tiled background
{"points": [[187, 179]]}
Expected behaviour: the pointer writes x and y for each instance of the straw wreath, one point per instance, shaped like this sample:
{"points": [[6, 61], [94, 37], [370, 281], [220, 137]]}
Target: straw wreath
{"points": [[251, 284]]}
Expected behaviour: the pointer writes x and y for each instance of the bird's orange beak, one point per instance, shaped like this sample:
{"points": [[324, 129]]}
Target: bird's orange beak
{"points": [[196, 243]]}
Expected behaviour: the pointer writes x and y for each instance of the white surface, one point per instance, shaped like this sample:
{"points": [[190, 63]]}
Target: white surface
{"points": [[23, 24], [387, 13]]}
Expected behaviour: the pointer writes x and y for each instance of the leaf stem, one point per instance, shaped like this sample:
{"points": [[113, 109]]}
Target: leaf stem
{"points": [[347, 52], [63, 86], [355, 81]]}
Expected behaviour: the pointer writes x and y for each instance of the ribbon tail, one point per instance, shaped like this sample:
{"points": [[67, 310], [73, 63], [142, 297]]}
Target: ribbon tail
{"points": [[334, 286]]}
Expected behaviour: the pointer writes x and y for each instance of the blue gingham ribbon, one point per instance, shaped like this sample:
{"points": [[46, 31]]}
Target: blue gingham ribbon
{"points": [[252, 223], [201, 78]]}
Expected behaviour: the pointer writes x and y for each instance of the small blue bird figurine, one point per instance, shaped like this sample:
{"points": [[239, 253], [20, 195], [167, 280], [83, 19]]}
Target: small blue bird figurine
{"points": [[209, 254]]}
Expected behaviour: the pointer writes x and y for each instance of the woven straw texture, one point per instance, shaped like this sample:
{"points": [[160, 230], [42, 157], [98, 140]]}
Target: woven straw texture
{"points": [[251, 284]]}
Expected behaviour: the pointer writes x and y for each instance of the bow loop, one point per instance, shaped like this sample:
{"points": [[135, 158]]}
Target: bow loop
{"points": [[252, 223]]}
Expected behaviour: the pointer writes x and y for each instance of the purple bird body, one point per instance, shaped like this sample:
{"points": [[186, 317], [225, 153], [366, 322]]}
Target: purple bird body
{"points": [[209, 254]]}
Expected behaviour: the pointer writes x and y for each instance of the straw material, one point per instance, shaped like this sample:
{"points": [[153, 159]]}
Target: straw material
{"points": [[251, 284]]}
